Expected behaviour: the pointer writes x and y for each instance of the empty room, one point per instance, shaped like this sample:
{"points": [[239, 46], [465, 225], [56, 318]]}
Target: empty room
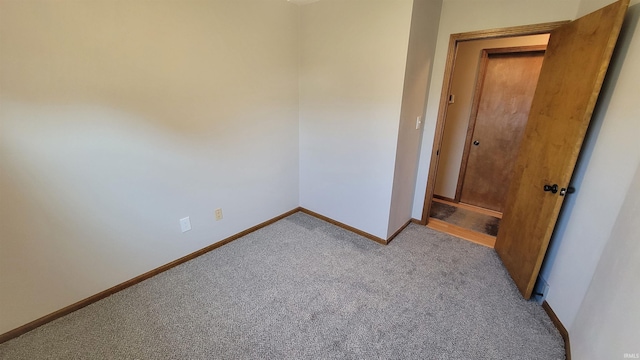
{"points": [[277, 179]]}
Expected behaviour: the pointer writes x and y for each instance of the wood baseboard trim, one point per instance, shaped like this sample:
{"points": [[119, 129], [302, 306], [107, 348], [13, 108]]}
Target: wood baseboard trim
{"points": [[103, 294], [558, 324], [460, 232], [345, 226], [398, 231], [416, 221], [108, 292]]}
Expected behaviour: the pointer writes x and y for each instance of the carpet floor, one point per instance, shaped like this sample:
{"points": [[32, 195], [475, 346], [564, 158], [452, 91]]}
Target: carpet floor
{"points": [[302, 288]]}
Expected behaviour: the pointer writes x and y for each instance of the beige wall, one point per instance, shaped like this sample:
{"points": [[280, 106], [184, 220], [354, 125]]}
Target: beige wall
{"points": [[352, 66], [470, 15], [118, 118], [608, 323], [463, 85], [422, 46]]}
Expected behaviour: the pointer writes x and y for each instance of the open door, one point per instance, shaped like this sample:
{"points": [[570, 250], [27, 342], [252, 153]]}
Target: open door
{"points": [[572, 73]]}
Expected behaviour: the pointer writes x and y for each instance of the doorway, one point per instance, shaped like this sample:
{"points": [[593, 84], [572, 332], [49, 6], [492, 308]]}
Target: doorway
{"points": [[575, 64], [458, 167]]}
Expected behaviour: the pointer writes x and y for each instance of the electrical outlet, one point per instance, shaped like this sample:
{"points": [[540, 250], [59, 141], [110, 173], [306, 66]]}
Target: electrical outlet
{"points": [[418, 122], [218, 214], [545, 288], [185, 224]]}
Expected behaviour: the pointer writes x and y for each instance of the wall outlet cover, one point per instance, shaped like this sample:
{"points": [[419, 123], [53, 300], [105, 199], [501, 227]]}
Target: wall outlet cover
{"points": [[540, 290], [185, 224]]}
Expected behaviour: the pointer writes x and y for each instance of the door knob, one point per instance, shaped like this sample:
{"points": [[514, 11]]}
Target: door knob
{"points": [[569, 190], [553, 188], [476, 143]]}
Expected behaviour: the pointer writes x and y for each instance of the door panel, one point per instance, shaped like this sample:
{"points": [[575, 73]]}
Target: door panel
{"points": [[574, 66], [503, 101]]}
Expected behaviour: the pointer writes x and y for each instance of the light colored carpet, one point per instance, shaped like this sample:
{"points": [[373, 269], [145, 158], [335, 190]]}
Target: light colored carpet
{"points": [[305, 289]]}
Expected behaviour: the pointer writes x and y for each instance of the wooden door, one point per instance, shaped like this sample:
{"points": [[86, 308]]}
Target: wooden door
{"points": [[575, 63], [506, 82]]}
